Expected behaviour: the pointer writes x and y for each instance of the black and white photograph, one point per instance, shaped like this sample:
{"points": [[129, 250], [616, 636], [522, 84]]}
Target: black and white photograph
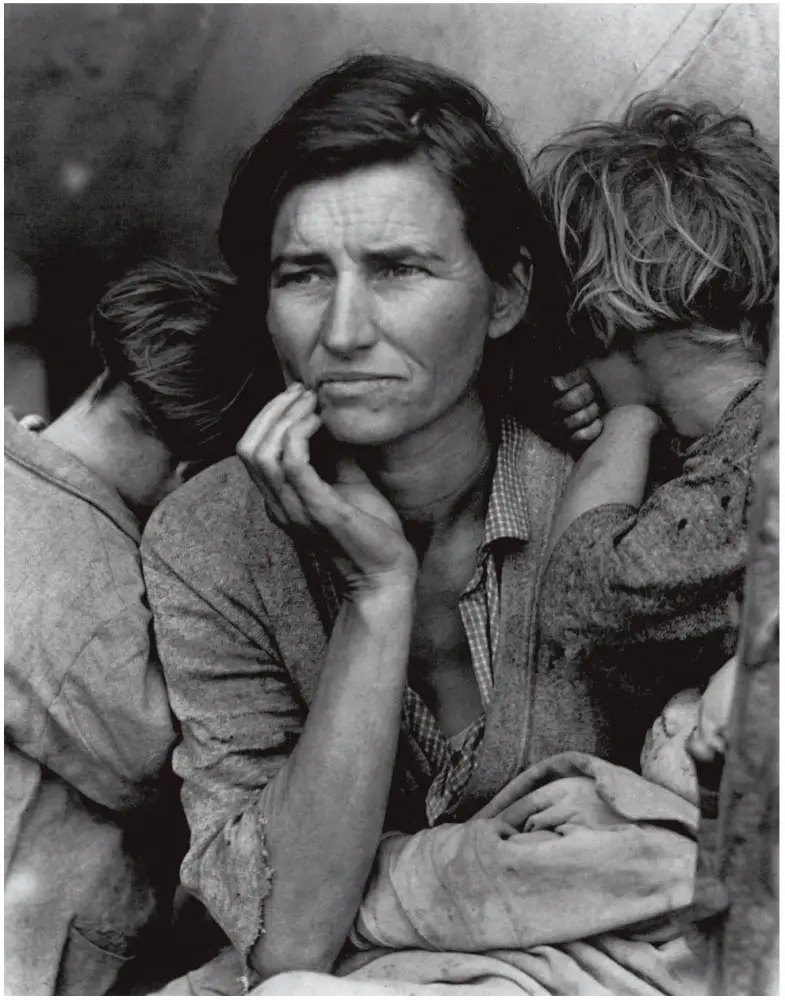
{"points": [[391, 499]]}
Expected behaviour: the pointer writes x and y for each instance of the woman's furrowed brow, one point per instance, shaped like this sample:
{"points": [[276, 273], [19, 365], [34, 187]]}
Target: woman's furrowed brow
{"points": [[305, 259], [397, 253], [405, 251]]}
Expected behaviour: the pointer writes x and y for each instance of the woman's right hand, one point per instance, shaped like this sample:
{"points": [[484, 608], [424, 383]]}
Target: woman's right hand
{"points": [[359, 526]]}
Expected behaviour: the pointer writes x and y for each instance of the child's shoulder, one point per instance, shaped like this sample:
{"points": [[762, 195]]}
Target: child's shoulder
{"points": [[741, 419], [736, 434]]}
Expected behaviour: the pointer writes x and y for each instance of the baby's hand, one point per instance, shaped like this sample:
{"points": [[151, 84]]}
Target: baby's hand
{"points": [[709, 738], [576, 407]]}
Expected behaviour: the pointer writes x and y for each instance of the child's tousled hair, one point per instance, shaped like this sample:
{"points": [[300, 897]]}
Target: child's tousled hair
{"points": [[168, 334], [668, 219]]}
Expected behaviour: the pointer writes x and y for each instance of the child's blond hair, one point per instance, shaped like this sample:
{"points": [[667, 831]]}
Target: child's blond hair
{"points": [[666, 220]]}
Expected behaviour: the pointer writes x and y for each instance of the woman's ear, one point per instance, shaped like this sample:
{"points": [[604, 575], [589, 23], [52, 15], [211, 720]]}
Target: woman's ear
{"points": [[511, 298]]}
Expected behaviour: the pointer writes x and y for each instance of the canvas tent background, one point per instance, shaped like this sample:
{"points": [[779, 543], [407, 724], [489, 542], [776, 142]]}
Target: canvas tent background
{"points": [[124, 121]]}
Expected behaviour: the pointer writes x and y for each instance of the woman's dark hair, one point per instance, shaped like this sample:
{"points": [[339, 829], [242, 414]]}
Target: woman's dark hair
{"points": [[379, 109], [171, 337]]}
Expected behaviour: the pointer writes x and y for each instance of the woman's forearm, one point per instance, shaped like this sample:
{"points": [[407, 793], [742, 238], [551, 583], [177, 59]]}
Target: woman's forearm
{"points": [[614, 469], [325, 809]]}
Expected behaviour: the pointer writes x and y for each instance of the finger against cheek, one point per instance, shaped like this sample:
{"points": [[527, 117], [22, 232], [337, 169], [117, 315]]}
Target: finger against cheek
{"points": [[266, 419], [294, 456], [294, 447], [302, 408], [261, 451], [272, 446], [698, 749]]}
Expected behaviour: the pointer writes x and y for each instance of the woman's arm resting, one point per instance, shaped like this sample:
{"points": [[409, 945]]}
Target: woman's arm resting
{"points": [[285, 811], [325, 809]]}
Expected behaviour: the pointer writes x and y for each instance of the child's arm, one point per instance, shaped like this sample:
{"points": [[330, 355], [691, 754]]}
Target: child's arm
{"points": [[662, 571], [612, 470]]}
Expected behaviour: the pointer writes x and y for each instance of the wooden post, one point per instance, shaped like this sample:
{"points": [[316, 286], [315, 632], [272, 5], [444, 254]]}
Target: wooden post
{"points": [[743, 946]]}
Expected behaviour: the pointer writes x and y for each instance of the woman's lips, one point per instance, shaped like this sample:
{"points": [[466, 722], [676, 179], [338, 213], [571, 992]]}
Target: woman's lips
{"points": [[354, 385]]}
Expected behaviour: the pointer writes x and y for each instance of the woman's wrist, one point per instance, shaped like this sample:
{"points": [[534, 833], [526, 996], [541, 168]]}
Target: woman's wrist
{"points": [[385, 594]]}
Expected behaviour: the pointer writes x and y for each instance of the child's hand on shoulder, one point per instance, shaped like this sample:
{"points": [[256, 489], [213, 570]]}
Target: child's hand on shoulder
{"points": [[577, 407], [619, 380], [626, 395], [587, 396]]}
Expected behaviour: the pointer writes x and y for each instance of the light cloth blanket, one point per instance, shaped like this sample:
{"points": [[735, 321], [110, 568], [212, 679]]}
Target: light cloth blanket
{"points": [[593, 905]]}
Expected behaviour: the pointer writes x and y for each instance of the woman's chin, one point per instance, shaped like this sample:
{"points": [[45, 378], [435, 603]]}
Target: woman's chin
{"points": [[361, 429]]}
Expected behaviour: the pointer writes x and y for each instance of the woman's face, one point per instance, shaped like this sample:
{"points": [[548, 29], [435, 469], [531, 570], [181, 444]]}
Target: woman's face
{"points": [[378, 301]]}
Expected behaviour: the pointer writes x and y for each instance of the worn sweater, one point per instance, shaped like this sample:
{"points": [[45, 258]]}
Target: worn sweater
{"points": [[642, 601]]}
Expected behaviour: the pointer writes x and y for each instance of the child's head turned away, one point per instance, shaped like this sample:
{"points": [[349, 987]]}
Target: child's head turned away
{"points": [[691, 727], [667, 220]]}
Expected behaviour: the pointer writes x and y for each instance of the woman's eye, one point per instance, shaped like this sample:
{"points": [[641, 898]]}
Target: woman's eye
{"points": [[280, 280], [398, 270]]}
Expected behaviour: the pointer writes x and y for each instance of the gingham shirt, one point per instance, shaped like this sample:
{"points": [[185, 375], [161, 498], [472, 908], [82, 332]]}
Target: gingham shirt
{"points": [[450, 763]]}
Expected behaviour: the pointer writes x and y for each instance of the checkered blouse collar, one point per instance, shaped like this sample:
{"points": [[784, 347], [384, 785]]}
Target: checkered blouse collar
{"points": [[506, 517]]}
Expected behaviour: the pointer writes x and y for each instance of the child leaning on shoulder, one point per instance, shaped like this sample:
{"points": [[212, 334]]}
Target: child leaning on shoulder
{"points": [[668, 225]]}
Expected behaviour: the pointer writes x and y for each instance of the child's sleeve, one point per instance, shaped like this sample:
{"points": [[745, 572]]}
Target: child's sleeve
{"points": [[661, 572]]}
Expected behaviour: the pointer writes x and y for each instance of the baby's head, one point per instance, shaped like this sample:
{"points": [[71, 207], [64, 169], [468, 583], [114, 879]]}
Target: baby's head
{"points": [[665, 759], [667, 220], [691, 728]]}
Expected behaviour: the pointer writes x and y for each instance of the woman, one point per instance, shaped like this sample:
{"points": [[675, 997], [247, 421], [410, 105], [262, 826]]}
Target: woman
{"points": [[346, 617]]}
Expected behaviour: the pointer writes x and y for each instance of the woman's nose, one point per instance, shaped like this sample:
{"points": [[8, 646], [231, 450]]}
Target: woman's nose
{"points": [[347, 325]]}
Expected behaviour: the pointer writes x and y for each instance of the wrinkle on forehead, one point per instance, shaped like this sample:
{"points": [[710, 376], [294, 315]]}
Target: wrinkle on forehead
{"points": [[372, 209]]}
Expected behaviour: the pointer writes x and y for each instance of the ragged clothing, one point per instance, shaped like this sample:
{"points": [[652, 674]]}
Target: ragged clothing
{"points": [[644, 600], [587, 901], [88, 728], [450, 763], [242, 618], [583, 892]]}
